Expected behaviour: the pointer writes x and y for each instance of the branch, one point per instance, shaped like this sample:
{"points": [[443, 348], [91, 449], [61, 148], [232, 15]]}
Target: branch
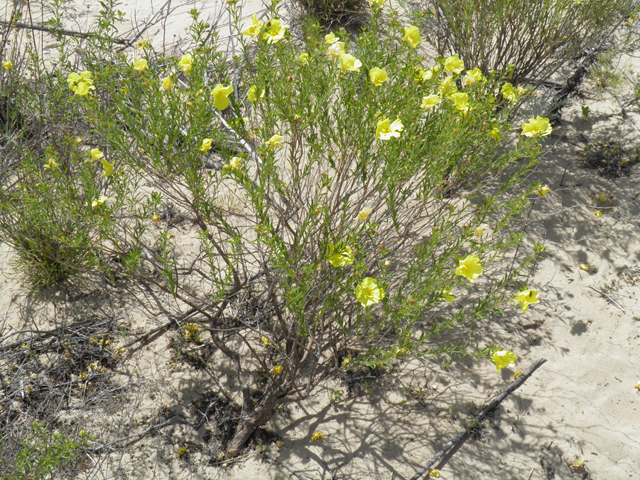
{"points": [[47, 28], [458, 438]]}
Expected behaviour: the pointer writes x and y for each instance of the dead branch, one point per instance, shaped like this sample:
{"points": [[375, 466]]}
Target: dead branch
{"points": [[72, 33]]}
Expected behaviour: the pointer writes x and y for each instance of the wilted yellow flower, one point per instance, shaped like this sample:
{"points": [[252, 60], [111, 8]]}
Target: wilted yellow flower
{"points": [[235, 163], [254, 29], [447, 295], [330, 39], [453, 64], [206, 145], [108, 168], [509, 92], [412, 36], [99, 201], [349, 63], [346, 361], [144, 43], [265, 341], [275, 31], [447, 87], [335, 50], [155, 217], [378, 76], [81, 83], [538, 127], [51, 164], [434, 472], [368, 292], [421, 75], [363, 215], [385, 130], [340, 255], [527, 297], [472, 77], [220, 96], [479, 232], [543, 190], [304, 58], [430, 101], [503, 359], [577, 463], [7, 65], [96, 154], [584, 266], [167, 83], [602, 197], [277, 370], [494, 133], [469, 267], [461, 101], [140, 64], [637, 386], [185, 63], [317, 436], [275, 141], [598, 213]]}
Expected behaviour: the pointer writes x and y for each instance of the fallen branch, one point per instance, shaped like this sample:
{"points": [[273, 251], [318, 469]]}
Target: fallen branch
{"points": [[608, 298], [48, 28], [481, 416]]}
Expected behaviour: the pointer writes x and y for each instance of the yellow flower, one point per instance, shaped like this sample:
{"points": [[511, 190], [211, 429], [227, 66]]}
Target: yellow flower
{"points": [[368, 292], [304, 58], [277, 370], [335, 50], [7, 64], [538, 127], [527, 297], [185, 63], [220, 96], [275, 32], [453, 64], [602, 197], [503, 359], [434, 472], [378, 76], [167, 83], [577, 463], [317, 436], [252, 94], [206, 145], [51, 164], [472, 77], [430, 101], [637, 386], [235, 163], [479, 232], [385, 130], [469, 267], [543, 190], [330, 39], [412, 36], [363, 215], [349, 63], [96, 154], [254, 29], [140, 64], [421, 75], [142, 43], [448, 87], [108, 168], [339, 256], [346, 361], [447, 295], [509, 92], [275, 141], [81, 83], [155, 217], [99, 201], [598, 213], [265, 341], [495, 133], [461, 100], [584, 266]]}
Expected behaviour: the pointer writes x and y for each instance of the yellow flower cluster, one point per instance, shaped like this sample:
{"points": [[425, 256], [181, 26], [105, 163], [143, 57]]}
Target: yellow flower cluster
{"points": [[81, 83]]}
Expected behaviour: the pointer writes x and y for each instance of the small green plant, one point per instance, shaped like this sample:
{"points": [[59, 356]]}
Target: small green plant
{"points": [[585, 112], [42, 454]]}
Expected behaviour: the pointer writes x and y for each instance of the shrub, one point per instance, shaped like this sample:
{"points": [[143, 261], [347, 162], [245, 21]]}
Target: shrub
{"points": [[528, 40], [372, 191]]}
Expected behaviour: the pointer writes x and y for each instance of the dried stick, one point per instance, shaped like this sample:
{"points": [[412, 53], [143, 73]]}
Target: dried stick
{"points": [[608, 298], [514, 386], [63, 31]]}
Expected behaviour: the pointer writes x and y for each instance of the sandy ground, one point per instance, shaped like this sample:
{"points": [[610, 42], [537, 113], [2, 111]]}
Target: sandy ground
{"points": [[580, 403]]}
